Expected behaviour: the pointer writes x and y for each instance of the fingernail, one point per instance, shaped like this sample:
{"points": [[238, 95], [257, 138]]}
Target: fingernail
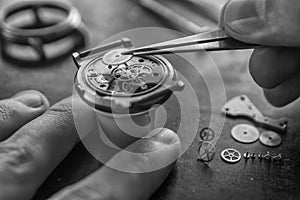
{"points": [[243, 16], [165, 136], [30, 98]]}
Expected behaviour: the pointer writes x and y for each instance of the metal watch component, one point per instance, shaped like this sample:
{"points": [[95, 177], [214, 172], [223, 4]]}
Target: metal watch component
{"points": [[270, 139], [115, 57], [206, 134], [46, 30], [206, 151], [277, 158], [117, 83], [247, 155], [260, 156], [241, 106], [267, 156], [231, 155], [245, 133]]}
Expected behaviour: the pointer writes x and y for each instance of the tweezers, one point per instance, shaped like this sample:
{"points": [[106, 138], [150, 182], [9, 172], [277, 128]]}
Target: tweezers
{"points": [[215, 40]]}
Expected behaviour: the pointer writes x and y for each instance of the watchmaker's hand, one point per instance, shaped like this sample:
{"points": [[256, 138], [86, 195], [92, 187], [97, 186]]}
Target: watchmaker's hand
{"points": [[273, 23], [35, 139]]}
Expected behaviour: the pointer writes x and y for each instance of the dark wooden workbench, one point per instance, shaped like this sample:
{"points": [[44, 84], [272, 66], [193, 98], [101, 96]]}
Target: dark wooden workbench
{"points": [[190, 178]]}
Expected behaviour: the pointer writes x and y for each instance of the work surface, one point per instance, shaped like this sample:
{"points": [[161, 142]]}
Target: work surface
{"points": [[190, 178]]}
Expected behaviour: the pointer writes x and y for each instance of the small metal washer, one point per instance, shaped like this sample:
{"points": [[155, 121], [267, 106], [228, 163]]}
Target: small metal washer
{"points": [[270, 139], [115, 57], [231, 155], [245, 133]]}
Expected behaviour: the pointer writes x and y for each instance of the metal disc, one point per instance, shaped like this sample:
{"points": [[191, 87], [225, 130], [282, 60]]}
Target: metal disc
{"points": [[231, 156], [115, 57], [245, 133], [270, 139]]}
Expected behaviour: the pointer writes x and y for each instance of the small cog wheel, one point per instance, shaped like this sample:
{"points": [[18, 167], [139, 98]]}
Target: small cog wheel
{"points": [[206, 152], [231, 156], [207, 134]]}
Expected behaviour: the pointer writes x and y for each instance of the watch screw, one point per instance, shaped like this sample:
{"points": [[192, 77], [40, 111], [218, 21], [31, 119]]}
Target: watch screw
{"points": [[260, 156], [277, 158], [267, 156], [247, 155]]}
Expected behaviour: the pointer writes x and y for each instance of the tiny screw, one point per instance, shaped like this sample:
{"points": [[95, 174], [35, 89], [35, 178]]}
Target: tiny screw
{"points": [[247, 155], [260, 156], [267, 156], [277, 158], [253, 156]]}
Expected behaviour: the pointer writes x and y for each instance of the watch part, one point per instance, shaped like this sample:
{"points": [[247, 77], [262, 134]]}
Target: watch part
{"points": [[116, 83], [253, 156], [231, 155], [245, 133], [277, 158], [242, 106], [125, 75], [206, 134], [270, 139], [206, 151], [267, 156], [247, 155], [115, 57]]}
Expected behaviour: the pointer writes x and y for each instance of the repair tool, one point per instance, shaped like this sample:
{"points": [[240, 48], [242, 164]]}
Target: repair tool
{"points": [[45, 30], [242, 106], [215, 40], [172, 17]]}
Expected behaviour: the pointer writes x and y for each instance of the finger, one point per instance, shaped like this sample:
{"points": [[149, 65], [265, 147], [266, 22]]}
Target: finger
{"points": [[31, 154], [108, 183], [19, 110], [267, 22], [285, 93], [270, 67]]}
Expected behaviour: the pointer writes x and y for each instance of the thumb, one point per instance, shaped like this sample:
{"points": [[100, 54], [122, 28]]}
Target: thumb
{"points": [[266, 22], [108, 183]]}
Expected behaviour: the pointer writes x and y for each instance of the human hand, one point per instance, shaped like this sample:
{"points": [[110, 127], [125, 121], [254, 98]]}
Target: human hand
{"points": [[34, 139], [274, 23]]}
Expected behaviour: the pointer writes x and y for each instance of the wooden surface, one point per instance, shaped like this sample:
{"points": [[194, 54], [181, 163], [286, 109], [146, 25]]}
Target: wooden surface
{"points": [[190, 178]]}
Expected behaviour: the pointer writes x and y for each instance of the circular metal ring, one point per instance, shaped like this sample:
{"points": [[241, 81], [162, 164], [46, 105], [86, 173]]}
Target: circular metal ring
{"points": [[39, 33]]}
